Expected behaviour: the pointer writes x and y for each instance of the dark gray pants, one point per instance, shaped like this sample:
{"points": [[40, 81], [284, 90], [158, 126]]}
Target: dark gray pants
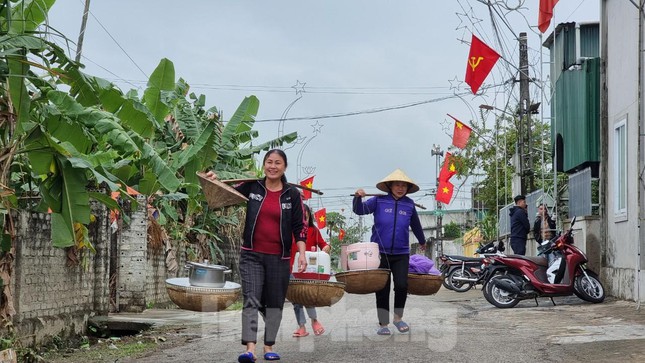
{"points": [[265, 279]]}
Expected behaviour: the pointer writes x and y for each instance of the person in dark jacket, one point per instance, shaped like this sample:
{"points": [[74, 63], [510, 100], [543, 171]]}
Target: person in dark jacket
{"points": [[520, 225], [274, 219], [394, 215], [544, 225]]}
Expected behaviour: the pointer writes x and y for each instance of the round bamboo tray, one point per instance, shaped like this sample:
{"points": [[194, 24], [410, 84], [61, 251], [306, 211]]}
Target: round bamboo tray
{"points": [[315, 293], [364, 281], [218, 194], [423, 284], [204, 299]]}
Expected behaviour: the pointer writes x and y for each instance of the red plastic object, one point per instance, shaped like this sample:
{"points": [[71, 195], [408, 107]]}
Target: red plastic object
{"points": [[311, 276]]}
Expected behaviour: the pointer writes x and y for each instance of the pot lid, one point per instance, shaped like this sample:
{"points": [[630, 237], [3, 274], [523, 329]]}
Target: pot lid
{"points": [[205, 265]]}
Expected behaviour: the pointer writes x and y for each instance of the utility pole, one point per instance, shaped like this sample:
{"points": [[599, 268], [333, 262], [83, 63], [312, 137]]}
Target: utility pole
{"points": [[81, 34], [436, 151], [524, 130]]}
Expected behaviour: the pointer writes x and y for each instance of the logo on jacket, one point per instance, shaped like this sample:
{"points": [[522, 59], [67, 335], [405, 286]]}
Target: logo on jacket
{"points": [[255, 196], [286, 205], [388, 210], [403, 212]]}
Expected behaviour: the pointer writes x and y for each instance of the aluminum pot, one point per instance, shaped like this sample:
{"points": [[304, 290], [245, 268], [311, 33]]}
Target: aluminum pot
{"points": [[205, 275]]}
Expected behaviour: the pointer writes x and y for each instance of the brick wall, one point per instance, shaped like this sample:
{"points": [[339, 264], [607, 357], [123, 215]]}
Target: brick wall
{"points": [[52, 298], [49, 296], [142, 273]]}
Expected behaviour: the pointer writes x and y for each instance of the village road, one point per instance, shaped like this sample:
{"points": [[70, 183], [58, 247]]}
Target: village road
{"points": [[445, 327]]}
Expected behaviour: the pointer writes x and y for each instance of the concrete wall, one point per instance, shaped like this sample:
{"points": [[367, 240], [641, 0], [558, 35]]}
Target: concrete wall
{"points": [[620, 259]]}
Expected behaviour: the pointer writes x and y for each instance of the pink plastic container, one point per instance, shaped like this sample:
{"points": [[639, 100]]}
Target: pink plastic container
{"points": [[363, 256]]}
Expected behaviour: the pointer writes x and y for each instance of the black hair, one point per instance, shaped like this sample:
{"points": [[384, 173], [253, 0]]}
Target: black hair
{"points": [[282, 155], [310, 223]]}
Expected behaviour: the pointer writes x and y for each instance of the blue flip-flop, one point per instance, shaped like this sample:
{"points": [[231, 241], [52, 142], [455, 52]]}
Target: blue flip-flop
{"points": [[384, 330], [401, 326], [271, 356], [246, 357]]}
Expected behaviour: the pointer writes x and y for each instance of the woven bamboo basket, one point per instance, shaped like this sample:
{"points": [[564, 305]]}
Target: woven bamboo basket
{"points": [[218, 194], [204, 299], [364, 281], [423, 284], [315, 293]]}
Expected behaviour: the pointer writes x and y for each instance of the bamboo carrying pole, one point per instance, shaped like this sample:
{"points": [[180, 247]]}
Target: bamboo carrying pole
{"points": [[256, 179], [382, 195]]}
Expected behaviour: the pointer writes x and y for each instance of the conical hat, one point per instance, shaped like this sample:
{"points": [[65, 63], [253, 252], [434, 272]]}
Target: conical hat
{"points": [[397, 175]]}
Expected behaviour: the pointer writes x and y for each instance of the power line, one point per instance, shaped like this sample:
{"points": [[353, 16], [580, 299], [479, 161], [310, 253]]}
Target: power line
{"points": [[372, 111]]}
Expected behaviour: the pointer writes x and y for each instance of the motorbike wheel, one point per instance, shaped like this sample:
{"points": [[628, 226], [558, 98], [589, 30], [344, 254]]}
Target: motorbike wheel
{"points": [[446, 282], [460, 286], [497, 296], [589, 288]]}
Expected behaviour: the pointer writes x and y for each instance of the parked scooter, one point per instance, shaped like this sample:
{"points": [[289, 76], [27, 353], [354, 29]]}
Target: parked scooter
{"points": [[510, 279], [461, 273]]}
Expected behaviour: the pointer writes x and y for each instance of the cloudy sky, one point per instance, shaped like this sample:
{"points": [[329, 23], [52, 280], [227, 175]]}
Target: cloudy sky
{"points": [[404, 59]]}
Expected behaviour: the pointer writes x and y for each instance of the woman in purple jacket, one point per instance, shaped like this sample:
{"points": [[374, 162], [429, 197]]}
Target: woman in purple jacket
{"points": [[394, 215]]}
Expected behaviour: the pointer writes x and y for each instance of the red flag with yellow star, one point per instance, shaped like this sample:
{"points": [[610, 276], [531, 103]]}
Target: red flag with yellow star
{"points": [[341, 234], [481, 60], [444, 191], [321, 218], [460, 134], [309, 183], [448, 169]]}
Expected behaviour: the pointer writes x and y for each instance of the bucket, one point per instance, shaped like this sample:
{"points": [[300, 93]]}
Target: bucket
{"points": [[318, 266], [363, 255]]}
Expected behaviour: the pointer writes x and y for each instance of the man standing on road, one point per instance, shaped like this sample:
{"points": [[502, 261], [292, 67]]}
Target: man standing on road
{"points": [[520, 225]]}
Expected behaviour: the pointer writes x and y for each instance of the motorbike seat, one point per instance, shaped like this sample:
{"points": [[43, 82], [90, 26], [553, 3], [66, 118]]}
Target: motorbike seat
{"points": [[464, 258], [538, 260]]}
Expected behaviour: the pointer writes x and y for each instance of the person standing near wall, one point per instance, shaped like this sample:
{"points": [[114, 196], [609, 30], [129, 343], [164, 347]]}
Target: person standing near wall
{"points": [[520, 225]]}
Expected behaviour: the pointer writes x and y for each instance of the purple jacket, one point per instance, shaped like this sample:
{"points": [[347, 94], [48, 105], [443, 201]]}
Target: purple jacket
{"points": [[392, 222]]}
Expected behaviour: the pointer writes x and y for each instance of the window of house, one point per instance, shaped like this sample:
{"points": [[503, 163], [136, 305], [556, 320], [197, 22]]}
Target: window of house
{"points": [[620, 168]]}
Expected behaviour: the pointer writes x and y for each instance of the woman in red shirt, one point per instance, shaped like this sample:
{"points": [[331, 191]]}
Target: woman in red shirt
{"points": [[314, 241]]}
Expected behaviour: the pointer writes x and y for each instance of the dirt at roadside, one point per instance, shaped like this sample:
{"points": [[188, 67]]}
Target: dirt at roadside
{"points": [[111, 349]]}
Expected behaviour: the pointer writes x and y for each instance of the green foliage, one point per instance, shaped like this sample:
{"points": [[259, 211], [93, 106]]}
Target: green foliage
{"points": [[488, 226], [451, 230], [489, 154]]}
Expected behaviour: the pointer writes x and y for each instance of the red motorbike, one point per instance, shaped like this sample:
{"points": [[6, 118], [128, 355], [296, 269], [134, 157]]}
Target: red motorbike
{"points": [[510, 279]]}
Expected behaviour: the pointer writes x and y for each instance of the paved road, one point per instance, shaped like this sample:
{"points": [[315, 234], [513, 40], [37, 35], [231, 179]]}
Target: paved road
{"points": [[445, 327]]}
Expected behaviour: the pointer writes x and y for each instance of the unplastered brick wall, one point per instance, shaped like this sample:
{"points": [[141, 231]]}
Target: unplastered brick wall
{"points": [[156, 275], [50, 296], [132, 266], [142, 271]]}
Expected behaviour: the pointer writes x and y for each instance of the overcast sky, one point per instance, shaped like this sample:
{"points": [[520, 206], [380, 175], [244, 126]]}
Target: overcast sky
{"points": [[352, 56]]}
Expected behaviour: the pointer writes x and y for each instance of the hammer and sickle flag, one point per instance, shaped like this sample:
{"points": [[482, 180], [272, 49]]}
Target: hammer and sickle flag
{"points": [[481, 60]]}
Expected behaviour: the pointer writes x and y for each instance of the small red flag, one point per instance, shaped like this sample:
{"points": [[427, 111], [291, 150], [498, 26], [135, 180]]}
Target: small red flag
{"points": [[444, 192], [460, 134], [321, 218], [309, 183], [481, 60], [449, 169], [341, 234], [546, 14]]}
